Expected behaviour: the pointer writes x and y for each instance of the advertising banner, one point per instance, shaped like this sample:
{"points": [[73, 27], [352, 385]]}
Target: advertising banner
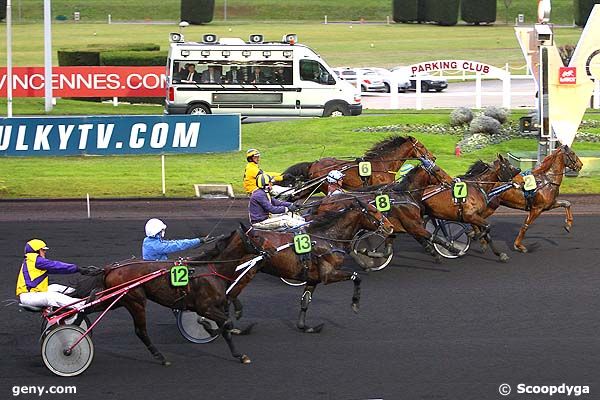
{"points": [[87, 82], [110, 135]]}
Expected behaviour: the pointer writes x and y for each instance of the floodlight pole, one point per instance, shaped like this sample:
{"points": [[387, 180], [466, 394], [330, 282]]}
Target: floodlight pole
{"points": [[47, 56], [9, 85]]}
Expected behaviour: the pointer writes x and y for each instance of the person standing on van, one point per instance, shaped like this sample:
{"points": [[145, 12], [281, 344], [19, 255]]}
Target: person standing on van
{"points": [[253, 170], [257, 76], [192, 75], [233, 75], [211, 75]]}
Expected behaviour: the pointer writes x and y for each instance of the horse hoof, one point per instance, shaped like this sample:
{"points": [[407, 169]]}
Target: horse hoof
{"points": [[314, 329], [166, 363], [235, 331], [238, 314], [504, 257], [355, 307], [521, 249], [245, 359]]}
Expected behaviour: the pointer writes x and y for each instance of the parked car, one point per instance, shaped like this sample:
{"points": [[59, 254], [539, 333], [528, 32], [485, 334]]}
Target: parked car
{"points": [[369, 82], [388, 76], [428, 82]]}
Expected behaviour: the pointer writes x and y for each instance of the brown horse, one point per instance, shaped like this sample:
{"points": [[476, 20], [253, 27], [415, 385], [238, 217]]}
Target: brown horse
{"points": [[548, 176], [428, 191], [205, 293], [331, 234], [386, 158]]}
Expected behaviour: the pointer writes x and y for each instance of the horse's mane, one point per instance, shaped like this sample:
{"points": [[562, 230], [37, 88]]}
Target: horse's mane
{"points": [[386, 146], [478, 168], [299, 170], [547, 162]]}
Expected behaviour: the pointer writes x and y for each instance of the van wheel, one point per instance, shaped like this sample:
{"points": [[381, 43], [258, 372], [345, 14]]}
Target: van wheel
{"points": [[387, 88], [336, 110], [198, 109]]}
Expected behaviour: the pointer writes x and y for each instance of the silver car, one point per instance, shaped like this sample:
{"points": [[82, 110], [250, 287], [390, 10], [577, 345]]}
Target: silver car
{"points": [[388, 77]]}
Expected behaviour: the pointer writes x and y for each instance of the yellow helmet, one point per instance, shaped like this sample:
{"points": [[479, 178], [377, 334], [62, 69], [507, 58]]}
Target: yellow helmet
{"points": [[35, 245], [251, 153], [263, 180]]}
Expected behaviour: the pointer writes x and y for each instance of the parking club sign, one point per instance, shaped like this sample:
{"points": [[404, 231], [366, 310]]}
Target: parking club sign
{"points": [[567, 75]]}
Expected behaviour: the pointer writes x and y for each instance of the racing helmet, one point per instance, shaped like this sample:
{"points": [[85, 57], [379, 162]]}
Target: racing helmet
{"points": [[155, 226], [263, 180], [35, 245], [334, 175], [251, 153]]}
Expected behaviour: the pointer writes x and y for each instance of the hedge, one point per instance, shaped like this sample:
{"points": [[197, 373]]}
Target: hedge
{"points": [[137, 58], [582, 10], [442, 12], [477, 11], [197, 12], [404, 10], [124, 46]]}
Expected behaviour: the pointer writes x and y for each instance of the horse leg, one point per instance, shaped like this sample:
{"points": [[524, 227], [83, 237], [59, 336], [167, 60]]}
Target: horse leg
{"points": [[486, 235], [568, 214], [225, 326], [137, 309], [533, 214], [237, 307], [305, 300]]}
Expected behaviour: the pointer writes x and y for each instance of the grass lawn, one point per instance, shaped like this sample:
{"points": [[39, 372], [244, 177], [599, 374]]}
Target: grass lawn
{"points": [[282, 144], [338, 44], [260, 10]]}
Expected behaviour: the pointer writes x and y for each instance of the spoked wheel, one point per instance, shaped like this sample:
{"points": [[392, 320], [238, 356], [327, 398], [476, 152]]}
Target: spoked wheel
{"points": [[455, 233], [81, 321], [57, 356], [192, 327], [370, 251], [293, 282]]}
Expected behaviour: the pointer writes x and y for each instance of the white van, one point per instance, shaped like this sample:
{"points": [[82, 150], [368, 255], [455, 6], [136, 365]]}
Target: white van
{"points": [[254, 78]]}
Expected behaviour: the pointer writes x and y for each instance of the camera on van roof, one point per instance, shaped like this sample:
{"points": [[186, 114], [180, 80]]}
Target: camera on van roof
{"points": [[210, 38], [256, 38], [175, 37]]}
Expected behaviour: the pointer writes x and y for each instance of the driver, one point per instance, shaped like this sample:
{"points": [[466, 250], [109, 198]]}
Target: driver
{"points": [[267, 212], [253, 170], [32, 282], [335, 180], [156, 248]]}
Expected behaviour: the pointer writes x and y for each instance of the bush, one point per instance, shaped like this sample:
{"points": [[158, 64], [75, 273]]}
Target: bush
{"points": [[461, 116], [582, 10], [498, 113], [197, 12], [477, 11], [485, 124], [442, 12], [404, 10]]}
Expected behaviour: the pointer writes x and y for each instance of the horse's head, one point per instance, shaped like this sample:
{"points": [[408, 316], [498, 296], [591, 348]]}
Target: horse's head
{"points": [[419, 149], [505, 171], [571, 160], [373, 219]]}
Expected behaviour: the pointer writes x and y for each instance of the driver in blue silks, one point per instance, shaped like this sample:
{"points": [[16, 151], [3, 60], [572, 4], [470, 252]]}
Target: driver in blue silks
{"points": [[156, 248]]}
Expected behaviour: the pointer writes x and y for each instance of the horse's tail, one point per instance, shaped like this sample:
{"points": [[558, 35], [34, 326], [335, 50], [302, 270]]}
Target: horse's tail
{"points": [[296, 173]]}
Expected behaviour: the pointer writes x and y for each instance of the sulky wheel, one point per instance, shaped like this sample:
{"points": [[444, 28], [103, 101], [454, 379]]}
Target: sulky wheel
{"points": [[455, 233], [80, 320], [293, 282], [196, 328], [371, 250], [57, 356]]}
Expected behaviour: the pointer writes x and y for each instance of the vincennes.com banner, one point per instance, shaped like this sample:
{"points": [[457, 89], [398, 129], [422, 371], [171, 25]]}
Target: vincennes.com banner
{"points": [[87, 82], [108, 135]]}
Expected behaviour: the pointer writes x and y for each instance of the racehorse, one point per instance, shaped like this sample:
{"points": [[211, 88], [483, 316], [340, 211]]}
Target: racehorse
{"points": [[331, 234], [428, 190], [386, 158], [548, 176], [205, 293]]}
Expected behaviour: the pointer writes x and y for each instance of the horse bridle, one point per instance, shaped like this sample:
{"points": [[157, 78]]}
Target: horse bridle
{"points": [[365, 210], [570, 162]]}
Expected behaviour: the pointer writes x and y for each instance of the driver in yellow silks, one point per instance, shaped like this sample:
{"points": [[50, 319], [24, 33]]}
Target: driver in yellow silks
{"points": [[253, 170]]}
